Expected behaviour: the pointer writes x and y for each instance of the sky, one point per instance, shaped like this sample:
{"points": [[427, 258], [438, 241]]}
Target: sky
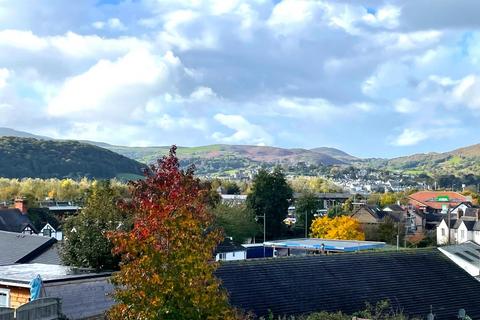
{"points": [[373, 78]]}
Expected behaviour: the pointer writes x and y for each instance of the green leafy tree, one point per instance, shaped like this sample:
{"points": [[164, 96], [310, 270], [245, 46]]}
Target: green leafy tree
{"points": [[237, 222], [270, 197], [86, 244], [167, 258], [387, 231], [387, 199], [231, 187], [306, 206]]}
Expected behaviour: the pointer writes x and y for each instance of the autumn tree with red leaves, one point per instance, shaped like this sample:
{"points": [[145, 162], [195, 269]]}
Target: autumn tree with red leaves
{"points": [[167, 269]]}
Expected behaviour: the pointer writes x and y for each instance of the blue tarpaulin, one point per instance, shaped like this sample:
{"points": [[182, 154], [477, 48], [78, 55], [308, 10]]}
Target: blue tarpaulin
{"points": [[35, 288]]}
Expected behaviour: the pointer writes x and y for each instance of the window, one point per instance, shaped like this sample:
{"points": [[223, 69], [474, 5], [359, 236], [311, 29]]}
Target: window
{"points": [[233, 253], [222, 256], [443, 232], [4, 298], [47, 232]]}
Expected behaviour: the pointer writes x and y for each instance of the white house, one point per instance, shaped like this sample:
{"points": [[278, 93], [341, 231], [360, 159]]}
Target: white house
{"points": [[465, 255], [461, 230], [460, 209], [49, 231], [229, 251], [442, 232]]}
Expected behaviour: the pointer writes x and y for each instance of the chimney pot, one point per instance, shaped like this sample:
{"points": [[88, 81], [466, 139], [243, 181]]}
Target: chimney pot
{"points": [[21, 205]]}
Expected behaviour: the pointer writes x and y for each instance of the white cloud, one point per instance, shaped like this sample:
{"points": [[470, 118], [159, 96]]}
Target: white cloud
{"points": [[405, 105], [410, 137], [4, 75], [468, 92], [245, 132], [386, 16], [113, 89], [22, 40]]}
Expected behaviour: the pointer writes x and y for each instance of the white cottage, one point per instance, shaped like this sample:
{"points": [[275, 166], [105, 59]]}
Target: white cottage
{"points": [[49, 231], [229, 251]]}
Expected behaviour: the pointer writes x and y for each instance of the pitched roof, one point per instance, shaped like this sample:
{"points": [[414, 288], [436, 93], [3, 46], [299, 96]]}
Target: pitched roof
{"points": [[394, 207], [14, 221], [49, 256], [21, 248], [429, 198], [468, 223], [345, 282], [379, 214], [453, 222], [468, 252], [229, 246], [472, 212]]}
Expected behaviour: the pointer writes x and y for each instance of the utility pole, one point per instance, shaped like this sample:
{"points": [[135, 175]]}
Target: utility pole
{"points": [[306, 224], [448, 222]]}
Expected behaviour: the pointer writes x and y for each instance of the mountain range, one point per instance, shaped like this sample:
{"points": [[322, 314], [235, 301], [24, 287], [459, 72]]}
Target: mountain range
{"points": [[223, 157]]}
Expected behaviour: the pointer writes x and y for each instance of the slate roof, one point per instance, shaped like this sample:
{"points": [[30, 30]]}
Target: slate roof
{"points": [[472, 212], [453, 222], [411, 280], [379, 214], [468, 223], [14, 221], [21, 248], [229, 246], [50, 256], [395, 207]]}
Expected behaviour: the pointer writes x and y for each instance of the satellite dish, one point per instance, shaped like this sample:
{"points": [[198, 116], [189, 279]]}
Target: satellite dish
{"points": [[461, 314], [430, 316]]}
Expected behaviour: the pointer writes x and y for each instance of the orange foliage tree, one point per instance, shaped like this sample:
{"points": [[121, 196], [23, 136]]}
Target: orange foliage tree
{"points": [[167, 269], [340, 227]]}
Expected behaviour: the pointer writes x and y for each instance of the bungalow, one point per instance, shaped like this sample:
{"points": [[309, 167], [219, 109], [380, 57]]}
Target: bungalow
{"points": [[346, 282], [229, 251]]}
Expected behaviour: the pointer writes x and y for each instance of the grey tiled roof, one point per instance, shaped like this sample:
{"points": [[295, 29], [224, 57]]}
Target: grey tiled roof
{"points": [[21, 248], [13, 220], [50, 256], [413, 281]]}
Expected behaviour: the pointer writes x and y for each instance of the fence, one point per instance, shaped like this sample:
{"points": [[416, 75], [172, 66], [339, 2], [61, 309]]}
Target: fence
{"points": [[40, 309]]}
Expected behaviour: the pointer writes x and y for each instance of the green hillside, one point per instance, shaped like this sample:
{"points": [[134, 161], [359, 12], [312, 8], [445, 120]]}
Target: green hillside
{"points": [[27, 157]]}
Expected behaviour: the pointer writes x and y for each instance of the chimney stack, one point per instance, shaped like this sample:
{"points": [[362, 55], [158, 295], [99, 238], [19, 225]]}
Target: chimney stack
{"points": [[21, 205]]}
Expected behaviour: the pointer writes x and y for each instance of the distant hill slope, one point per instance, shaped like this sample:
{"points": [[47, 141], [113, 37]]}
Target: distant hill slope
{"points": [[27, 157], [7, 132], [457, 162], [240, 152], [335, 153]]}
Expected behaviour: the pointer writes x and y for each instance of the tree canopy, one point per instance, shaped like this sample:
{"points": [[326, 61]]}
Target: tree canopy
{"points": [[167, 258], [340, 228], [86, 244], [270, 197], [237, 221]]}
